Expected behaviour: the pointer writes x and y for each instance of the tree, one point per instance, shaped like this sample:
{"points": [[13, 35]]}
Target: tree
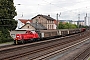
{"points": [[60, 26], [7, 23], [74, 26], [7, 13], [66, 26]]}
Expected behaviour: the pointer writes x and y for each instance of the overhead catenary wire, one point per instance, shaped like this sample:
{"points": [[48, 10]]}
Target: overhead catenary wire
{"points": [[53, 4], [61, 8]]}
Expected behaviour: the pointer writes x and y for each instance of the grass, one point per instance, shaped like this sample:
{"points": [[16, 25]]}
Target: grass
{"points": [[89, 59], [7, 42]]}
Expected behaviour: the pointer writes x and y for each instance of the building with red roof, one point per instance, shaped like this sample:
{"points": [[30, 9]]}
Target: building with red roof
{"points": [[37, 22], [22, 22], [25, 20]]}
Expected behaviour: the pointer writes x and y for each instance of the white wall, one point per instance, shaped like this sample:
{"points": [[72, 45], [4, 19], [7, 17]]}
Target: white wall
{"points": [[19, 25]]}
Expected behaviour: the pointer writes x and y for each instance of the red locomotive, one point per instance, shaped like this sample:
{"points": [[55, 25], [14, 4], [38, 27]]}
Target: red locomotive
{"points": [[44, 34], [28, 36]]}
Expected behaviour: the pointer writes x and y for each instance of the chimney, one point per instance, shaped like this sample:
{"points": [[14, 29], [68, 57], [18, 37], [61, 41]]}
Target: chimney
{"points": [[49, 15]]}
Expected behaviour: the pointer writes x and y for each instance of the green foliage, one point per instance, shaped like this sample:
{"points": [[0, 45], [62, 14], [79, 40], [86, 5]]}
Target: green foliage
{"points": [[5, 35], [7, 9], [66, 26], [81, 26], [10, 24], [60, 26], [7, 13], [7, 23]]}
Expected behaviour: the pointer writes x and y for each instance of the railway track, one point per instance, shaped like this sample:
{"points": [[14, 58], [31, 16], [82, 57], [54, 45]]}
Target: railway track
{"points": [[47, 56], [39, 50], [83, 55], [36, 50]]}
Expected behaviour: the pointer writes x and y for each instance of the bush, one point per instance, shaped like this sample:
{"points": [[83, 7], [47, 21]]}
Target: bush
{"points": [[5, 35], [66, 26]]}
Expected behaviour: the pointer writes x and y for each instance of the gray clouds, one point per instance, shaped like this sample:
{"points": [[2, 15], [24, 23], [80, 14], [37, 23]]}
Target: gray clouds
{"points": [[69, 8]]}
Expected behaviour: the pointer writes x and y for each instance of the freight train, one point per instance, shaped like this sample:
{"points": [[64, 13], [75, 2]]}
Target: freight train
{"points": [[44, 34]]}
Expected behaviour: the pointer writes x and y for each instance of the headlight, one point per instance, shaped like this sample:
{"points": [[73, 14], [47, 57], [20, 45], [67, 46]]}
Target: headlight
{"points": [[17, 36]]}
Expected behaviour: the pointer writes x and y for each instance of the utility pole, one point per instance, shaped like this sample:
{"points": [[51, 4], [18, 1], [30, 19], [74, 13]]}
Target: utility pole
{"points": [[57, 18], [85, 21], [78, 23]]}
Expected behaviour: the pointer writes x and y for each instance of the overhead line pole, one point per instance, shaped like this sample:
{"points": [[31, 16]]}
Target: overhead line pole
{"points": [[57, 18], [78, 20]]}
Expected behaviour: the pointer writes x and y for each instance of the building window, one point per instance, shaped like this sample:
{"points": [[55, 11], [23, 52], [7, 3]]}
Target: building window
{"points": [[48, 21], [39, 17], [52, 26], [52, 21], [48, 26], [27, 26]]}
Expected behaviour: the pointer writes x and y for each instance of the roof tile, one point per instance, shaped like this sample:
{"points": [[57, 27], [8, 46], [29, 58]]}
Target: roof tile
{"points": [[25, 20]]}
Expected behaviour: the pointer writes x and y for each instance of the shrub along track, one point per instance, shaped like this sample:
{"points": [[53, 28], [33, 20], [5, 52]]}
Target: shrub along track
{"points": [[34, 51]]}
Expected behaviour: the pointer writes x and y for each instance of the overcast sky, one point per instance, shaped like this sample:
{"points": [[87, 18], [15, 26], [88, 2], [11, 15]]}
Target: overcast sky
{"points": [[69, 8]]}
